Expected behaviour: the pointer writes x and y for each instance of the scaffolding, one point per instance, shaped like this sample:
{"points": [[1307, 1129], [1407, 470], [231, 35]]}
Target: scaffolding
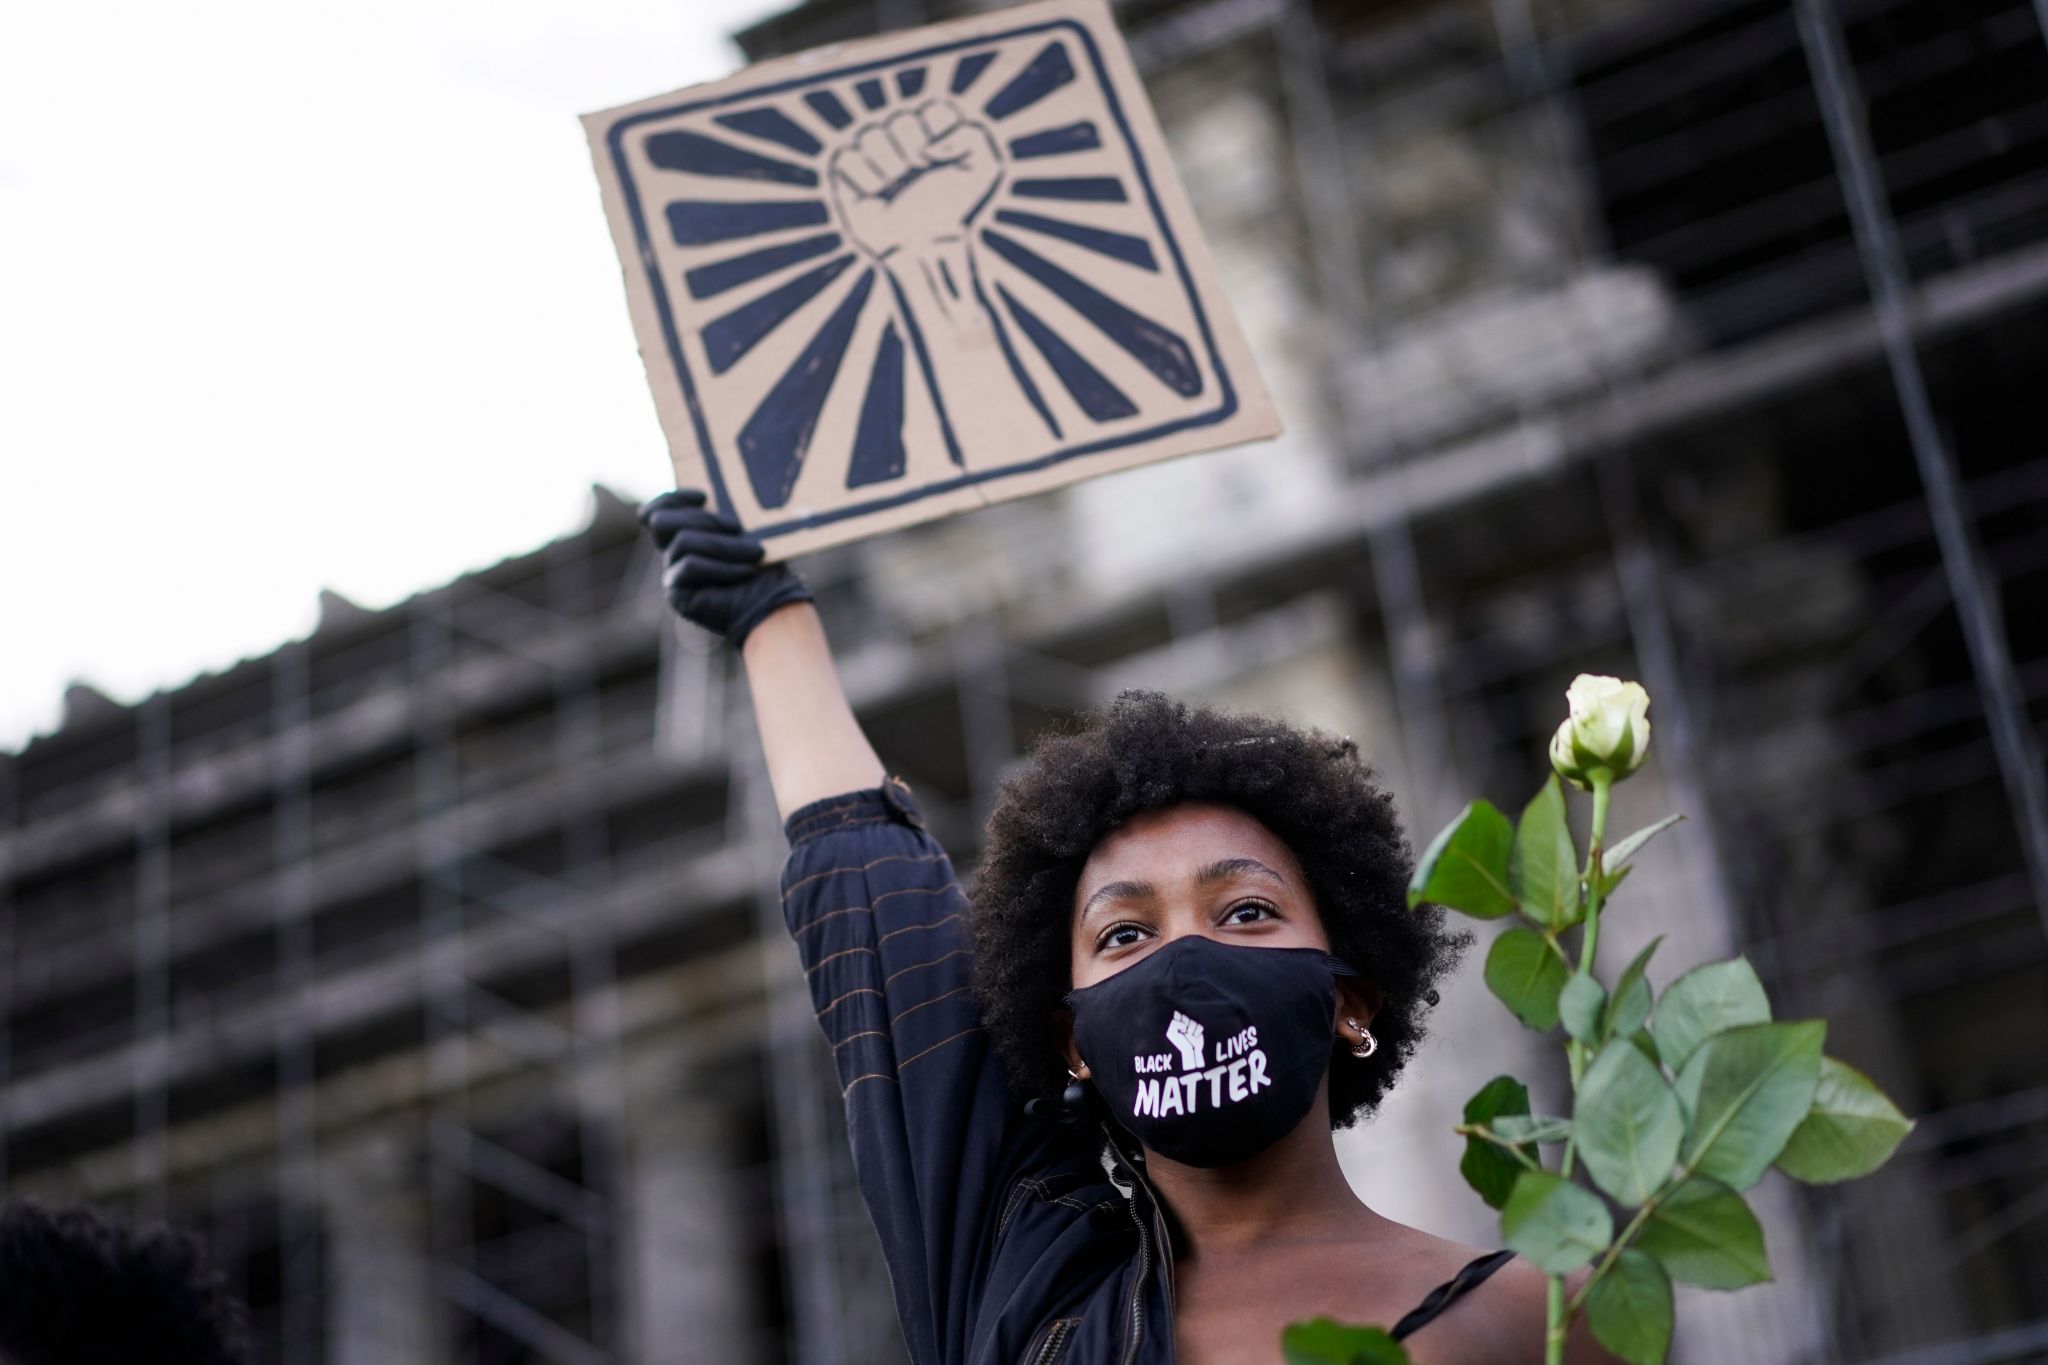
{"points": [[543, 1274]]}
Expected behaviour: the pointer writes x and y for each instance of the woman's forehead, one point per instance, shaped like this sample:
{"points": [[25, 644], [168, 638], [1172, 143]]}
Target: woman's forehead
{"points": [[1178, 842]]}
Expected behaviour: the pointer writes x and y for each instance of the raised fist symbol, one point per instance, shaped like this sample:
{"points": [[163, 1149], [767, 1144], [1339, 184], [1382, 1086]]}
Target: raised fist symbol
{"points": [[914, 179], [1185, 1034]]}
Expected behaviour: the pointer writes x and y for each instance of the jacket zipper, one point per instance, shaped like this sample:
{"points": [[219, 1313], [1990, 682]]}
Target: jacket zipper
{"points": [[1159, 1231], [1144, 1275], [1158, 1225], [1137, 1311], [1055, 1338]]}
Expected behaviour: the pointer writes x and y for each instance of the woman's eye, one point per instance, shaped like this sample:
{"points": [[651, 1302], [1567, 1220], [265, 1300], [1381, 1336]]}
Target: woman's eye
{"points": [[1247, 912], [1121, 936]]}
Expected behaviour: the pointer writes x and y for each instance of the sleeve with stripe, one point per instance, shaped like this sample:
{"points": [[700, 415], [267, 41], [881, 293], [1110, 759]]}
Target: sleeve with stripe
{"points": [[880, 921]]}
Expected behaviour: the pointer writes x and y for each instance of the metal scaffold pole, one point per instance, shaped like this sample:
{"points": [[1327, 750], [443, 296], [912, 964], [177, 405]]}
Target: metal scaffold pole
{"points": [[10, 797], [1334, 215], [598, 1080], [441, 933], [298, 1230], [152, 948], [1974, 591]]}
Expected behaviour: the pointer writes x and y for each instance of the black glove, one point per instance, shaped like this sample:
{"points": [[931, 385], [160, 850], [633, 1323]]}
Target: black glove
{"points": [[715, 577]]}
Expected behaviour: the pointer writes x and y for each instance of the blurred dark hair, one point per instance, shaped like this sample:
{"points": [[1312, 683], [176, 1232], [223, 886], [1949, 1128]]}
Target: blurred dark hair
{"points": [[1147, 752], [79, 1289]]}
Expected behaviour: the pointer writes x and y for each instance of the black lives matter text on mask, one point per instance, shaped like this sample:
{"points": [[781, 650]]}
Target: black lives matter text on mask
{"points": [[1238, 1073]]}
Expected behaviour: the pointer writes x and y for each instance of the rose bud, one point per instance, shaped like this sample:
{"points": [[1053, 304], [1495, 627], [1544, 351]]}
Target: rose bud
{"points": [[1609, 729]]}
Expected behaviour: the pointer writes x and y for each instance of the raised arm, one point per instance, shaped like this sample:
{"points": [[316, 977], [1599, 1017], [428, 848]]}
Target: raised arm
{"points": [[880, 921], [814, 746]]}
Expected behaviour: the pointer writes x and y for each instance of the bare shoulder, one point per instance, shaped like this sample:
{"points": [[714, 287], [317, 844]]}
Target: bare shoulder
{"points": [[1428, 1254], [1498, 1322]]}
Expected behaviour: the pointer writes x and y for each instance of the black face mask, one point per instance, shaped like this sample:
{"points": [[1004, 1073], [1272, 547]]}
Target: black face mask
{"points": [[1210, 1054]]}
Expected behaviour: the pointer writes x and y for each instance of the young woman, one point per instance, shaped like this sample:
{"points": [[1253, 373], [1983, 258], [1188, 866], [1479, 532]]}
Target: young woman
{"points": [[1187, 948]]}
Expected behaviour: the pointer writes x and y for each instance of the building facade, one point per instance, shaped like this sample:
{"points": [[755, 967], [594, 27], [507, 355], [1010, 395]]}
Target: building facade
{"points": [[431, 965]]}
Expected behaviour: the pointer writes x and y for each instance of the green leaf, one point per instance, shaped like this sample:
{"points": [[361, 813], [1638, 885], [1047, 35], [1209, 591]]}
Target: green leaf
{"points": [[1486, 1167], [1705, 1001], [1744, 1093], [1465, 868], [1620, 853], [1527, 972], [1579, 1005], [1704, 1234], [1544, 870], [1325, 1341], [1611, 880], [1646, 1045], [1629, 1309], [1522, 1129], [1851, 1130], [1628, 1124], [1631, 999], [1553, 1224]]}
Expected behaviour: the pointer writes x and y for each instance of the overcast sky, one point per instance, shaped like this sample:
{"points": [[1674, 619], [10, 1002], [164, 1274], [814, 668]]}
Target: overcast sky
{"points": [[297, 296]]}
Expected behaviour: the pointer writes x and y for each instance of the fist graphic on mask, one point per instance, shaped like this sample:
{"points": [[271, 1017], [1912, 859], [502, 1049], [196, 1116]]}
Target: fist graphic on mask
{"points": [[1185, 1034], [915, 179]]}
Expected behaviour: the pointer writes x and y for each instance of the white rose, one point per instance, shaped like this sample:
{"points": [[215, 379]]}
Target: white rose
{"points": [[1609, 728]]}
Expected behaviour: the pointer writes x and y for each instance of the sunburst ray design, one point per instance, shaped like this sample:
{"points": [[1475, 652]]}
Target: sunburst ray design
{"points": [[1085, 189], [1101, 399], [1120, 246], [772, 125], [728, 338], [1072, 137], [776, 438], [708, 281], [701, 155], [795, 261], [1156, 347], [1047, 72], [705, 222], [829, 108], [878, 454], [968, 70]]}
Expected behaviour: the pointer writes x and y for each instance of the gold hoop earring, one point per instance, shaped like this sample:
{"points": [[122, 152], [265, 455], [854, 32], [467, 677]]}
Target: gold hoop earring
{"points": [[1367, 1044]]}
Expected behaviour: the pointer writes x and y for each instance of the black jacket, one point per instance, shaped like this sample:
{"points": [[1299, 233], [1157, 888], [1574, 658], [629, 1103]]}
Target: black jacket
{"points": [[1009, 1238]]}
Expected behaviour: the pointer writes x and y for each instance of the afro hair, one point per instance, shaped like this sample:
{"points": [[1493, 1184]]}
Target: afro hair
{"points": [[1147, 752], [76, 1287]]}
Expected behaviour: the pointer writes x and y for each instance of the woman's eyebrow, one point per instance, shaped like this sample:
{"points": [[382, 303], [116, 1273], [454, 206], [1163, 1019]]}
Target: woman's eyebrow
{"points": [[1223, 869], [1117, 891]]}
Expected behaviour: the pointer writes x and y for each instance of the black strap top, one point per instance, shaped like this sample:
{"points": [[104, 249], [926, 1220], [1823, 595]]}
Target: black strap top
{"points": [[1449, 1292]]}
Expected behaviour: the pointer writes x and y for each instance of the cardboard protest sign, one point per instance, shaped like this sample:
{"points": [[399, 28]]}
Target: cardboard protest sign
{"points": [[890, 280]]}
